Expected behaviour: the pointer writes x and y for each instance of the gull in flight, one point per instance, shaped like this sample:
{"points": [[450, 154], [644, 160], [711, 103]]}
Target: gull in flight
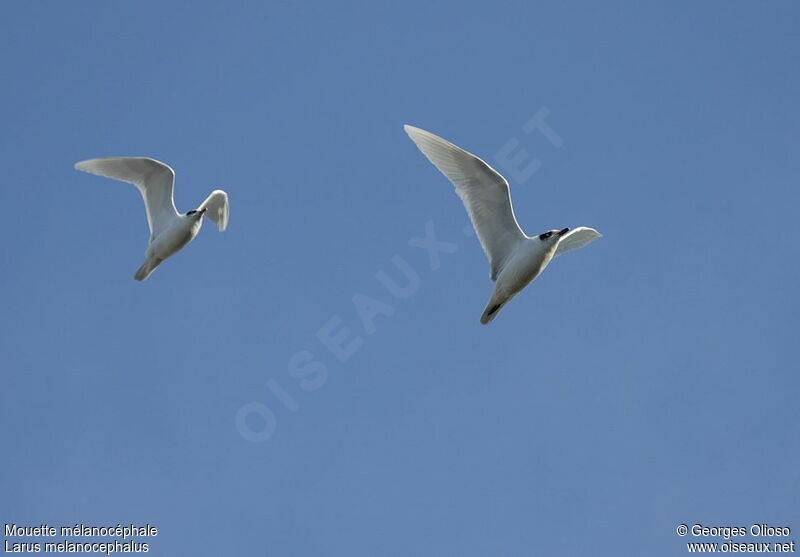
{"points": [[514, 258], [169, 230]]}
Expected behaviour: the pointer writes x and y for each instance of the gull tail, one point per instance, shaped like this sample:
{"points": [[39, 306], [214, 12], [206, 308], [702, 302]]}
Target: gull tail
{"points": [[147, 267], [492, 309]]}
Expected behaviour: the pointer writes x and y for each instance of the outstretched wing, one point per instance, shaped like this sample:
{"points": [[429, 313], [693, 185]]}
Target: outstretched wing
{"points": [[483, 191], [217, 209], [576, 238], [154, 179]]}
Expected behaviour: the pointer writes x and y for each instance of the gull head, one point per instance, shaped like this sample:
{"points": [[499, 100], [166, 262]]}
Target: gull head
{"points": [[196, 214], [552, 236]]}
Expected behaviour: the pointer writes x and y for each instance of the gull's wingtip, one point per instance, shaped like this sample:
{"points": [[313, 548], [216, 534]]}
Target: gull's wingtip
{"points": [[590, 230], [86, 165], [595, 235], [415, 131], [222, 225], [219, 206]]}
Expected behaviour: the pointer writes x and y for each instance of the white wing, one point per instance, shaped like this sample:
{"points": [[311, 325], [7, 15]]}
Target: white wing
{"points": [[576, 238], [483, 191], [153, 178], [217, 208]]}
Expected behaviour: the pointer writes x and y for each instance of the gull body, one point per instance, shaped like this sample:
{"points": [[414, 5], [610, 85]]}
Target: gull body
{"points": [[178, 234], [170, 231], [523, 266], [515, 259]]}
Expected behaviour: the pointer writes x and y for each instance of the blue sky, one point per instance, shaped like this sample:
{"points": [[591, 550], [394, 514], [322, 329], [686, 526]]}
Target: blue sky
{"points": [[646, 381]]}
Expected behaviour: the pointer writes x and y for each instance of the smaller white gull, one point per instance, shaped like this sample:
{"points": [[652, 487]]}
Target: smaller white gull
{"points": [[514, 258], [169, 230]]}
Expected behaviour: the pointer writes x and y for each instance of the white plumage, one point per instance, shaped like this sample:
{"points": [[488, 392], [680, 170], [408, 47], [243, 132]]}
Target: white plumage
{"points": [[514, 258], [169, 230]]}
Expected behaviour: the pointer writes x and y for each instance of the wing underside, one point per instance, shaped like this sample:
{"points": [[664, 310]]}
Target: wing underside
{"points": [[483, 191], [154, 179]]}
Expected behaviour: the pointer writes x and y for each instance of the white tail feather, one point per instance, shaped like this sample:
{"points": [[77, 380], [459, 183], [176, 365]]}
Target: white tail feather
{"points": [[147, 268]]}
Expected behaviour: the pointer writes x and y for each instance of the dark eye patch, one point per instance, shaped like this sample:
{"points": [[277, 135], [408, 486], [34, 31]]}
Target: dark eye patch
{"points": [[191, 213], [545, 236]]}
